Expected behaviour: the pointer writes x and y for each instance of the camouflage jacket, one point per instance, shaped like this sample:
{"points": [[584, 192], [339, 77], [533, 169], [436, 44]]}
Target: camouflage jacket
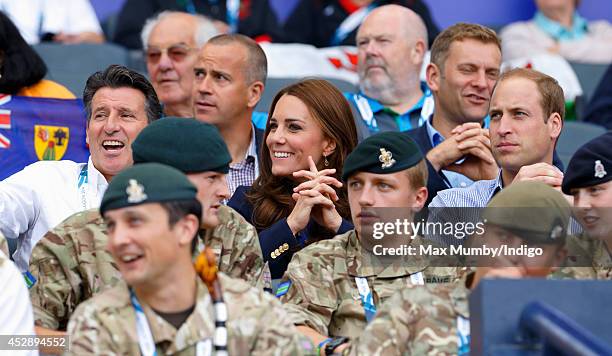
{"points": [[416, 321], [323, 292], [588, 258], [4, 245], [71, 263], [237, 248], [256, 324]]}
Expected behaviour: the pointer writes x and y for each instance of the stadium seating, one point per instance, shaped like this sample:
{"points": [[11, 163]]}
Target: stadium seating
{"points": [[574, 135], [71, 65]]}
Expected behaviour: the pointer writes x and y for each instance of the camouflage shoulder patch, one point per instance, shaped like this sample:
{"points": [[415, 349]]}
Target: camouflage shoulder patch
{"points": [[283, 288], [29, 279]]}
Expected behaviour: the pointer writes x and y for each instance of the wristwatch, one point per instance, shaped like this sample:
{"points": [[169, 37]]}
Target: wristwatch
{"points": [[331, 346]]}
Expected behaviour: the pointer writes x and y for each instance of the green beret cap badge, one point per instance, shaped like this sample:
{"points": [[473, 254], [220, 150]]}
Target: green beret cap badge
{"points": [[135, 192], [386, 158], [600, 170]]}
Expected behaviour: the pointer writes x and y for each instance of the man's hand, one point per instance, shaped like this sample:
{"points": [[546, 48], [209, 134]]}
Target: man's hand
{"points": [[541, 172], [471, 141]]}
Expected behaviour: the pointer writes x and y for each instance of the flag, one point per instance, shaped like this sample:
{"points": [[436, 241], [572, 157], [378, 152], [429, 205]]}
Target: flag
{"points": [[33, 129]]}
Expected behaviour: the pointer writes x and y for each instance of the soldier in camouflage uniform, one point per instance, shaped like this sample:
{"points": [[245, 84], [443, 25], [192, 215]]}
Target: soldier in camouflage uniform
{"points": [[434, 320], [4, 245], [333, 286], [161, 306], [71, 263], [589, 182]]}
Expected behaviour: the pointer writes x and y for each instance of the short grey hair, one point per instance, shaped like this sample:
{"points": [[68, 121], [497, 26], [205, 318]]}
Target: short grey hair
{"points": [[205, 29]]}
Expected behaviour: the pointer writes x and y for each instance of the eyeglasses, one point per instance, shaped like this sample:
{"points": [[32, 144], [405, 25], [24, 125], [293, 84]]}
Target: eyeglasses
{"points": [[177, 53]]}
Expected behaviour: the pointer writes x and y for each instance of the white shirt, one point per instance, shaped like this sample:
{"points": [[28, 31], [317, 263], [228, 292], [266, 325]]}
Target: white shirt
{"points": [[16, 316], [42, 195], [36, 17]]}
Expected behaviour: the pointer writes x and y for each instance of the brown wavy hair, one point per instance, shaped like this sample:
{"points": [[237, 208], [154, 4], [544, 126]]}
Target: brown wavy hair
{"points": [[271, 195]]}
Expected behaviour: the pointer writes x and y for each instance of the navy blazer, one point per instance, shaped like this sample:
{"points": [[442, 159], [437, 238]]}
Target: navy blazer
{"points": [[437, 181], [278, 244]]}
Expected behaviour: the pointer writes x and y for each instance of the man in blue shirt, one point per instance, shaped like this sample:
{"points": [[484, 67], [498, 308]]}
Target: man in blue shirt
{"points": [[391, 42], [465, 62], [527, 113]]}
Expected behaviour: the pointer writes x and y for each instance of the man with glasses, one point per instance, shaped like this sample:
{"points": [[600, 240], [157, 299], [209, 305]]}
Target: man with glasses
{"points": [[172, 40]]}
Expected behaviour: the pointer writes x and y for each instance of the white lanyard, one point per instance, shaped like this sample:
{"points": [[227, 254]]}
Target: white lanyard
{"points": [[367, 299], [145, 336], [417, 279], [82, 186]]}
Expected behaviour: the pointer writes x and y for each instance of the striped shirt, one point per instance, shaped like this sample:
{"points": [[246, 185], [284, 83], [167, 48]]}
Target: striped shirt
{"points": [[476, 195], [460, 205], [245, 172]]}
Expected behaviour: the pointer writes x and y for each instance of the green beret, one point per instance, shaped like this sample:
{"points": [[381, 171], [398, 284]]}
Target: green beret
{"points": [[186, 144], [590, 165], [147, 183], [533, 211], [383, 153]]}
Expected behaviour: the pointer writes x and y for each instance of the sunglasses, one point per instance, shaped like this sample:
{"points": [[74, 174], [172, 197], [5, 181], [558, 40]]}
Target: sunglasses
{"points": [[176, 53]]}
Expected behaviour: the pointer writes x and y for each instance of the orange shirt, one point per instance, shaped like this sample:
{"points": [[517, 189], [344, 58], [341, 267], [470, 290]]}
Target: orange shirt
{"points": [[47, 89]]}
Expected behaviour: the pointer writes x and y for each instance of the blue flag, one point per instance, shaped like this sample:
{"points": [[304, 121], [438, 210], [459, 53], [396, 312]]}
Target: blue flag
{"points": [[35, 129]]}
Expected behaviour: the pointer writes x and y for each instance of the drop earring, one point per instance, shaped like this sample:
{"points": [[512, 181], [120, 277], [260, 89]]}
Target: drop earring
{"points": [[326, 162]]}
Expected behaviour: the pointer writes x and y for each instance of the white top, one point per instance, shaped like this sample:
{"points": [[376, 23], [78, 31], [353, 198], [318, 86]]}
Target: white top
{"points": [[36, 17], [16, 316], [525, 39], [42, 195]]}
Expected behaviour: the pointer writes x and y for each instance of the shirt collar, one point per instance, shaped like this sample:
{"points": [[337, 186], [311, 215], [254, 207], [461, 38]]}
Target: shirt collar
{"points": [[435, 137], [498, 185], [252, 151], [376, 106], [560, 32]]}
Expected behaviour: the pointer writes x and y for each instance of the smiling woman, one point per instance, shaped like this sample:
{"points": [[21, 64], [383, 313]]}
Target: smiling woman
{"points": [[298, 198]]}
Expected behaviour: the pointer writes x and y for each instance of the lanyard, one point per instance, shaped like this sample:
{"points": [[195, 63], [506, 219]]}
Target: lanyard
{"points": [[350, 23], [367, 299], [145, 336], [367, 115], [463, 335], [82, 186]]}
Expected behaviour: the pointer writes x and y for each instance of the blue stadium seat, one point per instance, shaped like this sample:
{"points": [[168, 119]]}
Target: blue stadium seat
{"points": [[274, 85], [589, 76], [71, 65], [574, 135]]}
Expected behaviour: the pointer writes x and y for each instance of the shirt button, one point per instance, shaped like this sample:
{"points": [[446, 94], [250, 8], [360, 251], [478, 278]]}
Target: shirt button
{"points": [[463, 184]]}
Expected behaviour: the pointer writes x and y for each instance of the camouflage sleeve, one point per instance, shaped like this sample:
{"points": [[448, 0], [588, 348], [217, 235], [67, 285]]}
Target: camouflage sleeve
{"points": [[248, 257], [277, 334], [240, 241], [383, 334], [52, 295], [87, 336], [310, 297]]}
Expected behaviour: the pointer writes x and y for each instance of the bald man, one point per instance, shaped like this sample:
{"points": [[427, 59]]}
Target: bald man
{"points": [[391, 42], [172, 40]]}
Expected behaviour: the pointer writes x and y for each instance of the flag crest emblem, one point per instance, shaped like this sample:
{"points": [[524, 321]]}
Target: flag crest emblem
{"points": [[50, 142]]}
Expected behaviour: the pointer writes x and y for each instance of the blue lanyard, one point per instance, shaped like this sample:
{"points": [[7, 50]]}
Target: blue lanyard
{"points": [[145, 337], [82, 185]]}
